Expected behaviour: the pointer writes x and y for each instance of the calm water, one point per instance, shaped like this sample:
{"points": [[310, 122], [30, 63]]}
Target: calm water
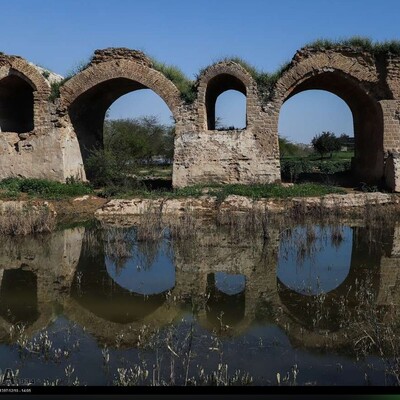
{"points": [[96, 306]]}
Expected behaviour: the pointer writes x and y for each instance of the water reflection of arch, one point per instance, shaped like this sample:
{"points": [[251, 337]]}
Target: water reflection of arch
{"points": [[224, 308], [225, 313], [219, 248], [35, 274], [107, 309], [20, 303], [300, 311]]}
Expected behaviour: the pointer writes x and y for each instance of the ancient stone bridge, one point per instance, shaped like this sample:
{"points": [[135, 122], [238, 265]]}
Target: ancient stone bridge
{"points": [[46, 136]]}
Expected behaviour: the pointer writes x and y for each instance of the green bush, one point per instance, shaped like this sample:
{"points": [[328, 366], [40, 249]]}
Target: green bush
{"points": [[274, 190], [55, 89], [332, 167], [43, 188], [292, 168], [129, 145]]}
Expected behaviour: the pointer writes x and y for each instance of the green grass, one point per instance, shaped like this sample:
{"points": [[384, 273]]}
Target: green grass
{"points": [[222, 191], [276, 190], [155, 171], [336, 156], [174, 74], [340, 155], [42, 188], [265, 81], [359, 43], [13, 188]]}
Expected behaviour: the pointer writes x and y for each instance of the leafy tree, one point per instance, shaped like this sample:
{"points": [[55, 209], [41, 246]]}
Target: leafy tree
{"points": [[138, 139], [128, 144], [325, 143], [344, 138]]}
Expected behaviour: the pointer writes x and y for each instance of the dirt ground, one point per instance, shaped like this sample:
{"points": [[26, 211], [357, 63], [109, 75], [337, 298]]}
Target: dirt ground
{"points": [[79, 208]]}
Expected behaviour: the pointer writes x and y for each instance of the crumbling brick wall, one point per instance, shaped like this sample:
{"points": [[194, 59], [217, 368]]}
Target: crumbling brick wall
{"points": [[63, 128]]}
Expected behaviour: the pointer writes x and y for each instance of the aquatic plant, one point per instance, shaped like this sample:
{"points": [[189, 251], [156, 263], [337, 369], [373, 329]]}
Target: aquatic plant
{"points": [[26, 220]]}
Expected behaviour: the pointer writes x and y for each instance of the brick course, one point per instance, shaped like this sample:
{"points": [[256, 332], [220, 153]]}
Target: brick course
{"points": [[370, 85]]}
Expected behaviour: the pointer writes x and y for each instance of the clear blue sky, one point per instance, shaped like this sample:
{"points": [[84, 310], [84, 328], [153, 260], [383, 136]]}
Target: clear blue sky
{"points": [[191, 34]]}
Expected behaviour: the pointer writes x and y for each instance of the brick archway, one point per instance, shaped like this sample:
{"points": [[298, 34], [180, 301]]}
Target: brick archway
{"points": [[88, 95], [217, 79], [354, 80], [24, 95]]}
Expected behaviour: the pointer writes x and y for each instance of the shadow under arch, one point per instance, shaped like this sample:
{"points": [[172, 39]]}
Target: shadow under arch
{"points": [[364, 272], [368, 161], [16, 104]]}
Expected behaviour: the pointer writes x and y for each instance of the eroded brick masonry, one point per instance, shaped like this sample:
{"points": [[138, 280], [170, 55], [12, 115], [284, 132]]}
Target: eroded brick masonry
{"points": [[47, 136]]}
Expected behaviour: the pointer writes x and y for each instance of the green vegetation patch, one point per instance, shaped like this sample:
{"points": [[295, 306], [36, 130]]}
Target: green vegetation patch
{"points": [[130, 149], [292, 168], [359, 42], [43, 188], [275, 190], [265, 81], [180, 80], [222, 191], [55, 86]]}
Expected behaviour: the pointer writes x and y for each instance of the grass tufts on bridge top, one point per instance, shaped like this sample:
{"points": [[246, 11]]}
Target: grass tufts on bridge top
{"points": [[55, 86], [180, 80], [359, 43], [265, 80]]}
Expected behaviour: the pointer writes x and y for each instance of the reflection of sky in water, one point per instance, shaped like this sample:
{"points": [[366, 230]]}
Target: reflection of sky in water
{"points": [[135, 276], [230, 283], [322, 271]]}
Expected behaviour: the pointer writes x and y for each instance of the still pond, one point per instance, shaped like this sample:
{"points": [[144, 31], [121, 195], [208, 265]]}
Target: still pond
{"points": [[100, 304]]}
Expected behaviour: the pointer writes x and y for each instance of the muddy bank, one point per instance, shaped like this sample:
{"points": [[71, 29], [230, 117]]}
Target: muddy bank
{"points": [[87, 207], [209, 205]]}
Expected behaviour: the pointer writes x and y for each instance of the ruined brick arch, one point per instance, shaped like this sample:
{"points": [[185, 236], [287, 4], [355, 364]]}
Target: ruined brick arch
{"points": [[216, 80], [355, 83], [89, 94], [23, 96]]}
